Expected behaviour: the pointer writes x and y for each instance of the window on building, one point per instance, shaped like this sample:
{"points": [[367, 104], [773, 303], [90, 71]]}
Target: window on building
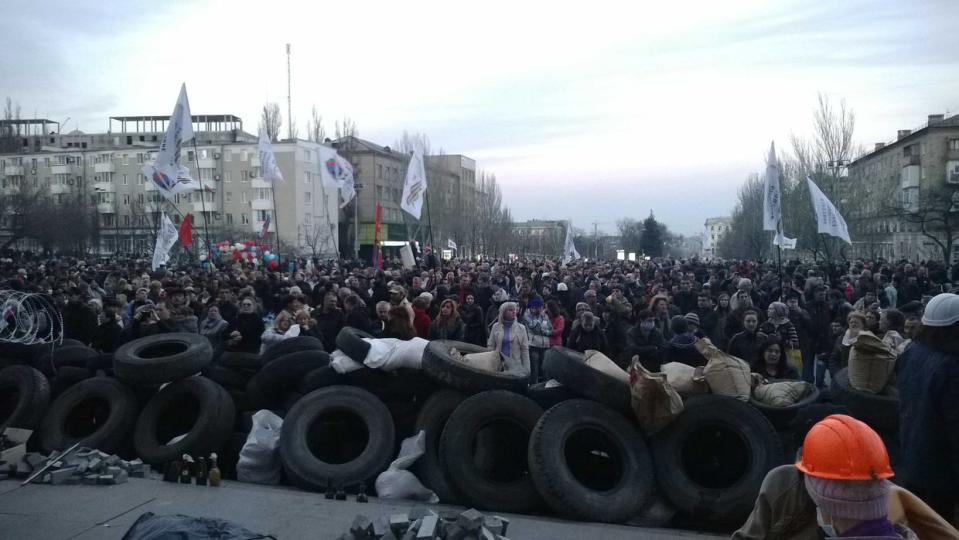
{"points": [[229, 196], [244, 219], [126, 199], [379, 172], [229, 219], [124, 179], [126, 220], [379, 192], [227, 155], [140, 158], [190, 155], [244, 175], [242, 196], [308, 218], [228, 176], [308, 197]]}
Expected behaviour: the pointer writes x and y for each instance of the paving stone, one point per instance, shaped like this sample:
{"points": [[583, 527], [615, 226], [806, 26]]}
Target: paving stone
{"points": [[471, 520], [94, 463], [121, 478], [505, 524], [361, 527], [419, 512], [399, 523], [380, 526], [389, 536], [105, 479], [494, 524], [428, 528], [60, 476], [35, 460], [486, 534]]}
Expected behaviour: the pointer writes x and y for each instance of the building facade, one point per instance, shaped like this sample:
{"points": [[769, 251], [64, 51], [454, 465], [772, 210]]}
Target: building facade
{"points": [[713, 231], [540, 238], [899, 178], [101, 173]]}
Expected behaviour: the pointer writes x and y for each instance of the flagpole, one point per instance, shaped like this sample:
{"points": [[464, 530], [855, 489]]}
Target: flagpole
{"points": [[276, 218], [199, 176], [429, 220]]}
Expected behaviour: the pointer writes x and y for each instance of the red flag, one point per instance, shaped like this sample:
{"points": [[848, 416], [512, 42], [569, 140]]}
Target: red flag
{"points": [[377, 259], [186, 231]]}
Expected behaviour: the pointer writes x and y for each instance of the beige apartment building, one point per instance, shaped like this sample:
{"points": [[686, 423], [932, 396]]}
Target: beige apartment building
{"points": [[901, 173], [713, 231], [102, 172]]}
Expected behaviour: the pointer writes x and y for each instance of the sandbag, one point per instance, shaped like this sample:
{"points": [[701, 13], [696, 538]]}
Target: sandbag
{"points": [[684, 378], [390, 354], [725, 374], [655, 403], [600, 361], [341, 363], [259, 460], [782, 393], [150, 526], [486, 361], [396, 482], [870, 363]]}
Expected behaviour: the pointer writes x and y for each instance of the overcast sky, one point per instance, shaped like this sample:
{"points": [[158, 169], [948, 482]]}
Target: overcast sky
{"points": [[587, 111]]}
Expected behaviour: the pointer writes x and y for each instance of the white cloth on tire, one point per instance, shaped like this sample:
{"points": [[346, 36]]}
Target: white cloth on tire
{"points": [[260, 459], [342, 363], [396, 482], [391, 354]]}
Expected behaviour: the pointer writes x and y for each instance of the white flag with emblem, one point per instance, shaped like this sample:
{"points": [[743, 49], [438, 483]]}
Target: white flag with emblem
{"points": [[269, 170], [828, 219], [166, 237], [784, 241], [414, 188], [336, 171], [569, 249], [169, 177], [451, 244], [772, 196]]}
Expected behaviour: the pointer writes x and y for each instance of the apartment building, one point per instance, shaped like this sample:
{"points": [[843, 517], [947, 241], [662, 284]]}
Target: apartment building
{"points": [[713, 231], [902, 174], [102, 173]]}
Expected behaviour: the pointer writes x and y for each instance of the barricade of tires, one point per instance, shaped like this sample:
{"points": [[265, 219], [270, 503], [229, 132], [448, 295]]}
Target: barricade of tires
{"points": [[492, 441]]}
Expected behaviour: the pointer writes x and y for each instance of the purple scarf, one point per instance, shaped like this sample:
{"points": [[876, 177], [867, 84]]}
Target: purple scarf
{"points": [[507, 331], [877, 527]]}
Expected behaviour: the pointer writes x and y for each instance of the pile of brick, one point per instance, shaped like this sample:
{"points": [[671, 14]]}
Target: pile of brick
{"points": [[82, 466], [425, 524]]}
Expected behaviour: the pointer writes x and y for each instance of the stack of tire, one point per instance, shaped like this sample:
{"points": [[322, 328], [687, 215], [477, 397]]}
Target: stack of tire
{"points": [[144, 401], [880, 411]]}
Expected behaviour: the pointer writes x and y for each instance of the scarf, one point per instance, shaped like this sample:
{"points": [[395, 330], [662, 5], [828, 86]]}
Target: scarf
{"points": [[849, 338], [507, 335]]}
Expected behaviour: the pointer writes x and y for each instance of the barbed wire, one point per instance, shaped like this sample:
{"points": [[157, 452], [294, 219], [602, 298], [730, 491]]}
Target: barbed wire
{"points": [[29, 319]]}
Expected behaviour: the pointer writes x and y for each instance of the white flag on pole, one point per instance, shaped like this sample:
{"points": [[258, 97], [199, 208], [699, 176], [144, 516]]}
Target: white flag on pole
{"points": [[414, 188], [166, 237], [451, 244], [772, 196], [828, 219], [336, 171], [169, 177], [269, 170], [784, 241], [569, 249]]}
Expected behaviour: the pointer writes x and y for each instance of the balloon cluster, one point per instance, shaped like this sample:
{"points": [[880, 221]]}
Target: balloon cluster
{"points": [[246, 250], [270, 259]]}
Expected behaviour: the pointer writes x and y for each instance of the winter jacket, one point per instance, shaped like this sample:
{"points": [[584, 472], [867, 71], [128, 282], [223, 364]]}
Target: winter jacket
{"points": [[421, 323], [330, 325], [250, 326], [682, 349], [475, 331], [928, 381], [79, 322], [745, 345], [518, 342], [559, 324], [583, 340], [215, 331], [820, 333], [785, 330], [839, 358], [647, 346], [455, 330], [539, 327]]}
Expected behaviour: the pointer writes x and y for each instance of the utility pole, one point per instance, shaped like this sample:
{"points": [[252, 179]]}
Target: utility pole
{"points": [[289, 91], [595, 240]]}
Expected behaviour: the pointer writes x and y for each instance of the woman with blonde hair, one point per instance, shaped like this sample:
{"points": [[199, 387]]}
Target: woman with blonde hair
{"points": [[510, 338], [447, 324]]}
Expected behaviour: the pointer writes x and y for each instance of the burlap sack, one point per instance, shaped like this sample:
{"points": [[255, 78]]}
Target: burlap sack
{"points": [[486, 360], [725, 374], [655, 403], [870, 363], [683, 378], [600, 361], [782, 393]]}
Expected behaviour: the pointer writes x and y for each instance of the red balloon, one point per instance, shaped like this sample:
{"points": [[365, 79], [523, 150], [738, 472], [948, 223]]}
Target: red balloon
{"points": [[273, 263]]}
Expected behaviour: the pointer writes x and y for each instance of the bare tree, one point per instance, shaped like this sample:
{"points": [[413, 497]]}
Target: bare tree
{"points": [[935, 212], [746, 238], [409, 142], [294, 130], [314, 127], [319, 237], [345, 128], [9, 131], [271, 119]]}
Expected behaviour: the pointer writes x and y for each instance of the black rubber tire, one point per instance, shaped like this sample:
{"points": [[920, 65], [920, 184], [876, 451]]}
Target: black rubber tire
{"points": [[349, 340], [24, 397], [438, 364], [169, 357], [580, 441], [320, 378], [71, 356], [240, 360], [780, 417], [229, 378], [357, 458], [290, 345], [267, 389], [492, 488], [208, 405], [102, 361], [880, 411], [548, 397], [106, 405], [713, 436], [432, 419], [569, 367]]}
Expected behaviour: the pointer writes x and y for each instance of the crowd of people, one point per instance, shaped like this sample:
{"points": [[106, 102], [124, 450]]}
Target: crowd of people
{"points": [[804, 314]]}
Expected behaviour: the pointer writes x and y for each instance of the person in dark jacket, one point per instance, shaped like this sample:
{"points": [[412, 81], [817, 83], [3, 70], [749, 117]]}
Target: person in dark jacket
{"points": [[307, 325], [855, 323], [330, 320], [107, 334], [928, 379], [587, 335], [149, 320], [79, 319], [645, 341], [357, 314], [448, 324], [246, 335], [745, 344], [771, 362], [472, 316], [682, 346], [421, 320]]}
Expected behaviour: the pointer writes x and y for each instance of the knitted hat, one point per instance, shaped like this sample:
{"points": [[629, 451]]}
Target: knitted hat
{"points": [[692, 318], [536, 302], [852, 499]]}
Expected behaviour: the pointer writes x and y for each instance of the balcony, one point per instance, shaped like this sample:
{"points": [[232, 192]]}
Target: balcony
{"points": [[105, 187], [106, 167], [257, 226], [262, 204], [199, 207], [13, 170], [952, 177], [260, 183], [207, 163], [255, 161], [56, 189], [62, 169], [105, 208], [912, 159]]}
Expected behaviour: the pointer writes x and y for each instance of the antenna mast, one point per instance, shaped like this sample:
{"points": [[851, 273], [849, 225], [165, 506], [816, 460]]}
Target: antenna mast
{"points": [[289, 100]]}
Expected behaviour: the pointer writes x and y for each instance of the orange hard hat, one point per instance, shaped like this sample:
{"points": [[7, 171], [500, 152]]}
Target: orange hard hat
{"points": [[842, 448]]}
